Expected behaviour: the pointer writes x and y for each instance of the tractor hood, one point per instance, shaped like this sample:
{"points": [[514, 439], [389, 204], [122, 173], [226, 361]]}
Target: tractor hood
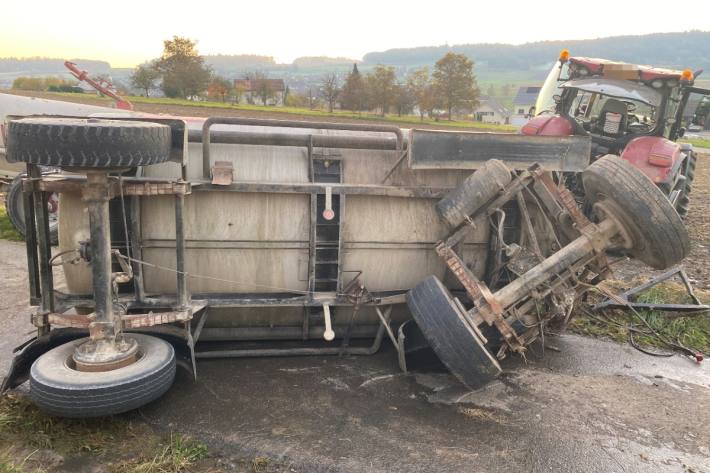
{"points": [[622, 89]]}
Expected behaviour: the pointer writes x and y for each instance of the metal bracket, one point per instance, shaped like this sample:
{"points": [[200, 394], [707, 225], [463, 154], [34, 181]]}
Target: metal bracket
{"points": [[222, 173], [626, 299]]}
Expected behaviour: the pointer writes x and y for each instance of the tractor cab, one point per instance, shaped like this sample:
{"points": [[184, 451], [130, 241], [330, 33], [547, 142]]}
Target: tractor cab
{"points": [[635, 112]]}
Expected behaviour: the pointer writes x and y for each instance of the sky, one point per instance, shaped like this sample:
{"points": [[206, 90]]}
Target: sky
{"points": [[129, 32]]}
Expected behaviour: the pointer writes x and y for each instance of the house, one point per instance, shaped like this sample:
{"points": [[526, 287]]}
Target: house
{"points": [[524, 105], [252, 91], [489, 110]]}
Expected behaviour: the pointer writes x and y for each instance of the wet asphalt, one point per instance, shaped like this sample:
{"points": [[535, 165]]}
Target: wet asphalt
{"points": [[585, 406]]}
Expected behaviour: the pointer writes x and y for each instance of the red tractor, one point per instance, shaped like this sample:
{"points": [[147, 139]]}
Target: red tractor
{"points": [[631, 111]]}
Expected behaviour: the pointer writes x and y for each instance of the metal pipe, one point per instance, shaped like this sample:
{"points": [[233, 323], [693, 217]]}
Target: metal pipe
{"points": [[136, 247], [287, 124], [96, 195], [286, 139], [182, 294], [218, 334], [31, 244], [302, 351], [553, 265], [41, 213]]}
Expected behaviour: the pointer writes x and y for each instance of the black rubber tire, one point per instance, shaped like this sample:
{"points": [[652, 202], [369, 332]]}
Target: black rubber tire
{"points": [[659, 236], [87, 143], [60, 390], [15, 207], [683, 203], [476, 191], [449, 335]]}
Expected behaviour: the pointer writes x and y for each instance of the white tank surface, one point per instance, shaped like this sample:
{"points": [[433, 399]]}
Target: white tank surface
{"points": [[242, 243]]}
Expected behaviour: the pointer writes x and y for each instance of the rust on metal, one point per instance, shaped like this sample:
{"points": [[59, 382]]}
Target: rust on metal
{"points": [[222, 173]]}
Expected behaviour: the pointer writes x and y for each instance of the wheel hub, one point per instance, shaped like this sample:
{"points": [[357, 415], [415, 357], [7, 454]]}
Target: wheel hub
{"points": [[105, 354]]}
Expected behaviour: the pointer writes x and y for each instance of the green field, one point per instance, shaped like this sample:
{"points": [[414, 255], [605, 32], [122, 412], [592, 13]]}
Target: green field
{"points": [[295, 111]]}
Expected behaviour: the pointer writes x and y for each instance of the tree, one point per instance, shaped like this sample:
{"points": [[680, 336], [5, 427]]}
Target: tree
{"points": [[380, 86], [454, 82], [419, 83], [353, 96], [183, 70], [144, 77], [403, 99], [219, 88], [330, 89]]}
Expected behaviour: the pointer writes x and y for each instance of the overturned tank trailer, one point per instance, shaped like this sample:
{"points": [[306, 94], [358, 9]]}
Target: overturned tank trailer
{"points": [[184, 239]]}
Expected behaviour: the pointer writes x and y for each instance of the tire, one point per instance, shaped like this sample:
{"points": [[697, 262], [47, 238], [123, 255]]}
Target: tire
{"points": [[87, 143], [683, 203], [658, 235], [15, 206], [60, 390], [450, 335], [476, 191]]}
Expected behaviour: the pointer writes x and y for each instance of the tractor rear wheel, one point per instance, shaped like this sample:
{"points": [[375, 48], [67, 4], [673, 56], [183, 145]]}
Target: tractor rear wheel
{"points": [[657, 233]]}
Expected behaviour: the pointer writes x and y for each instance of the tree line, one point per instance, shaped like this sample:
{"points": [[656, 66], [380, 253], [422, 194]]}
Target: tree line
{"points": [[449, 88]]}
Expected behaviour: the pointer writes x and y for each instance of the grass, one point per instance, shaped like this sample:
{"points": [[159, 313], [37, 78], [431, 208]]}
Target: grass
{"points": [[692, 331], [7, 231], [697, 142], [120, 443], [306, 112]]}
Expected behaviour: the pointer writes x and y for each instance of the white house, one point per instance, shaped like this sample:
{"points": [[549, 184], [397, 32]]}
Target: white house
{"points": [[250, 91], [489, 110], [524, 105]]}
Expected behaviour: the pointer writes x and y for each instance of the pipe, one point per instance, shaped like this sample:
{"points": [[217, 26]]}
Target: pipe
{"points": [[287, 124], [96, 195], [553, 265], [182, 294], [286, 139], [301, 351]]}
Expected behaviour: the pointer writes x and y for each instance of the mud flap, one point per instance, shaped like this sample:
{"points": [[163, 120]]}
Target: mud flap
{"points": [[28, 352]]}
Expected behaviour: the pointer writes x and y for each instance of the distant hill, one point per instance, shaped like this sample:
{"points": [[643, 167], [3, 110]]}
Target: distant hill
{"points": [[42, 65], [678, 50], [227, 63], [320, 61]]}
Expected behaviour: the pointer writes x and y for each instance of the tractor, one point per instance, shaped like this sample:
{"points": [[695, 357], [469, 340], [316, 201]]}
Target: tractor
{"points": [[632, 111]]}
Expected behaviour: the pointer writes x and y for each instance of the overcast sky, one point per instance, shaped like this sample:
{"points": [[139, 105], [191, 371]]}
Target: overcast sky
{"points": [[128, 32]]}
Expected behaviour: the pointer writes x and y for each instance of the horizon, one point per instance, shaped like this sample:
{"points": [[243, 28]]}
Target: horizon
{"points": [[312, 29], [357, 60]]}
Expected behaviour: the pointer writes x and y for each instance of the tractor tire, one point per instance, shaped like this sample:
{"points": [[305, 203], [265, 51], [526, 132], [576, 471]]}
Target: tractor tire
{"points": [[60, 390], [683, 203], [659, 237], [449, 334], [87, 143], [15, 207]]}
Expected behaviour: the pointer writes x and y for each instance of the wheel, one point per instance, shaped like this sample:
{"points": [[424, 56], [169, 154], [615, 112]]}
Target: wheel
{"points": [[683, 202], [59, 389], [450, 335], [87, 143], [477, 190], [658, 236], [15, 206]]}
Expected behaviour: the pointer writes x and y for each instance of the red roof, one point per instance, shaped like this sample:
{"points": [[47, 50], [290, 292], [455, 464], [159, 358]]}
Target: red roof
{"points": [[252, 85]]}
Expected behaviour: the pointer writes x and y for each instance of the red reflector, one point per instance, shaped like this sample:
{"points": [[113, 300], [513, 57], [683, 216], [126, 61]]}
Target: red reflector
{"points": [[660, 161]]}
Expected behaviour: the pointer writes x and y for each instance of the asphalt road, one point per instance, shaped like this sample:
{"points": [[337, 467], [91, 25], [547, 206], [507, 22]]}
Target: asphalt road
{"points": [[592, 406]]}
